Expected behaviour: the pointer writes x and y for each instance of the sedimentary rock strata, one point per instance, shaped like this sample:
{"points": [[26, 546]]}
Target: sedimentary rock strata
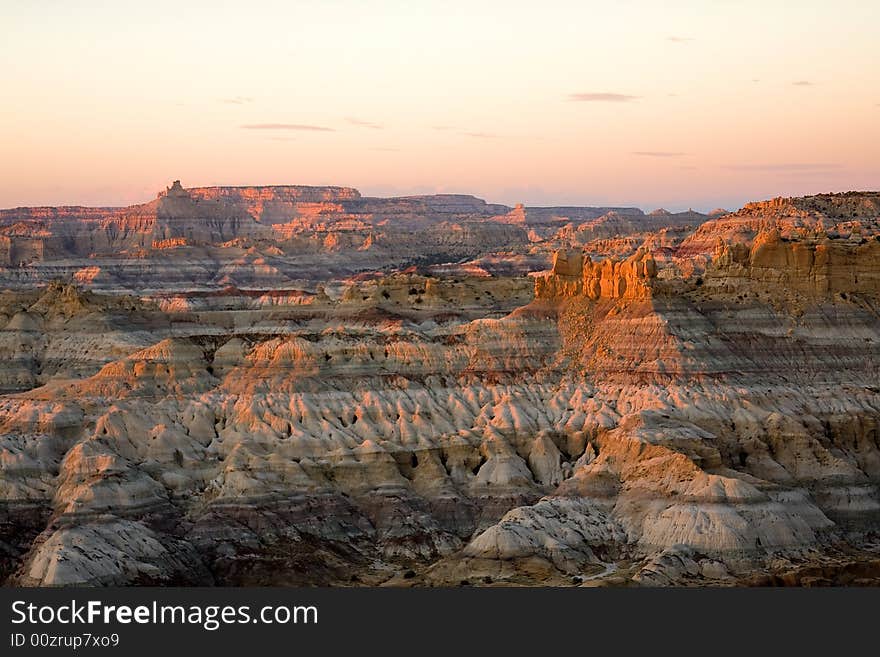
{"points": [[619, 419], [819, 267], [289, 237]]}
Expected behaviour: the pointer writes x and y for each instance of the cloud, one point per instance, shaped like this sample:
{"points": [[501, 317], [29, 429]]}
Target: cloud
{"points": [[443, 127], [601, 97], [787, 167], [678, 39], [237, 100], [364, 124], [802, 83], [384, 148], [659, 153], [479, 135], [286, 126]]}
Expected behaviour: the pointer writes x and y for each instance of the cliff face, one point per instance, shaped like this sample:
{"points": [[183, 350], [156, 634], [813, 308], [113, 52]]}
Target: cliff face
{"points": [[301, 233], [207, 216], [834, 215], [818, 268], [304, 235], [575, 274]]}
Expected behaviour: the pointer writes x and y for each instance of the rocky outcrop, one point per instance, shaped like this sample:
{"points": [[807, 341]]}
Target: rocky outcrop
{"points": [[819, 267], [823, 215], [575, 274]]}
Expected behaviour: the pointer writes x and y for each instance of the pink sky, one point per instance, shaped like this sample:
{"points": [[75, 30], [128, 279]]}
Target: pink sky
{"points": [[681, 104]]}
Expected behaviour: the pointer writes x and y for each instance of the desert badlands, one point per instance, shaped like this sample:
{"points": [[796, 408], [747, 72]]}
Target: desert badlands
{"points": [[302, 385]]}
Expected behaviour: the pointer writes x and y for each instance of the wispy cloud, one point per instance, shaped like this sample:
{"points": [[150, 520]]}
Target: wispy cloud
{"points": [[443, 127], [364, 124], [679, 39], [237, 100], [802, 83], [287, 126], [659, 153], [785, 167], [480, 135], [601, 97], [385, 149]]}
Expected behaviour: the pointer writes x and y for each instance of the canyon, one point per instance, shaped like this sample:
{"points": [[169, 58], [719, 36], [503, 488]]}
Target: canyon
{"points": [[305, 386]]}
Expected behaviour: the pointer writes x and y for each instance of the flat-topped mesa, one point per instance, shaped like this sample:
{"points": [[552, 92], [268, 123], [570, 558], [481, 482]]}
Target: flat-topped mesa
{"points": [[575, 274], [255, 194], [816, 267]]}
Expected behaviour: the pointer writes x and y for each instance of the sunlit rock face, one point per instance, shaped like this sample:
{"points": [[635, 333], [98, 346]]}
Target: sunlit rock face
{"points": [[290, 237], [817, 267], [254, 237], [574, 274], [615, 420]]}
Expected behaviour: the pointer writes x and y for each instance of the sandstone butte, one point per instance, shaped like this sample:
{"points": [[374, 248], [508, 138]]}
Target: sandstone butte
{"points": [[299, 385]]}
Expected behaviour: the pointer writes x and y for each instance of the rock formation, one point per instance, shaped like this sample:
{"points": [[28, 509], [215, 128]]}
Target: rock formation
{"points": [[575, 274], [818, 268], [285, 237], [661, 413]]}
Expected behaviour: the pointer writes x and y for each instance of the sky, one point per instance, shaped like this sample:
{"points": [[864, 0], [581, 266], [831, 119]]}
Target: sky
{"points": [[703, 104]]}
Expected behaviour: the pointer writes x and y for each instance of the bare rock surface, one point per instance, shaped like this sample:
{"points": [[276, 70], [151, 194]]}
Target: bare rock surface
{"points": [[689, 406]]}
